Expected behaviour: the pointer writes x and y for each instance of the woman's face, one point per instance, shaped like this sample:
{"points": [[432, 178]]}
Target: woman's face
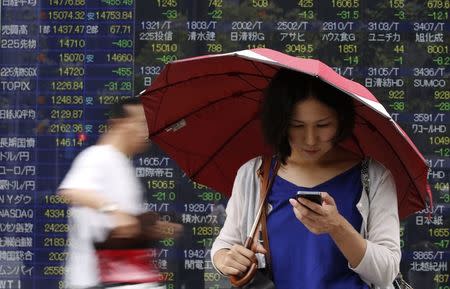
{"points": [[312, 129]]}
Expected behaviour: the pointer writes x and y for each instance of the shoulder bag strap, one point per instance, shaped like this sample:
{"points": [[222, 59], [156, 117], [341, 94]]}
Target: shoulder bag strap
{"points": [[263, 174], [266, 185], [365, 177]]}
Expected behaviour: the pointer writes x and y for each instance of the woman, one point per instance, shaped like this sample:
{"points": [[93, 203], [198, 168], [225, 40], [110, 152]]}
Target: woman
{"points": [[352, 240]]}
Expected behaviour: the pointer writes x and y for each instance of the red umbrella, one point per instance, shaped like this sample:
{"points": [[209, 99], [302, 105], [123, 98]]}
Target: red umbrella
{"points": [[204, 113]]}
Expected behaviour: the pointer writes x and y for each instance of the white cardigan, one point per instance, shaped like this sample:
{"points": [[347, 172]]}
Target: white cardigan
{"points": [[380, 221]]}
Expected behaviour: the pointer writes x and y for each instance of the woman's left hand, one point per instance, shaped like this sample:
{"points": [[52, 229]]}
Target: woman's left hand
{"points": [[318, 219]]}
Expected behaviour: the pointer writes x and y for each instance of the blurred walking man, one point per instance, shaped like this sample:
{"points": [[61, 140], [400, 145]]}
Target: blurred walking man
{"points": [[105, 196]]}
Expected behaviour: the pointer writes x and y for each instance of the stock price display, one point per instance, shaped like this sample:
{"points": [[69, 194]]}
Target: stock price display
{"points": [[65, 62]]}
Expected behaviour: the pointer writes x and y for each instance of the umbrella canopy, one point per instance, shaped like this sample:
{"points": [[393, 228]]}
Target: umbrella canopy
{"points": [[204, 113]]}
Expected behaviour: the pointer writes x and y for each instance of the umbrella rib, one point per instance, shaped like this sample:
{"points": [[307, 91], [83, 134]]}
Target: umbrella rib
{"points": [[257, 68], [357, 143], [244, 80], [205, 75], [178, 148], [260, 72], [222, 146], [412, 179], [204, 107], [186, 152]]}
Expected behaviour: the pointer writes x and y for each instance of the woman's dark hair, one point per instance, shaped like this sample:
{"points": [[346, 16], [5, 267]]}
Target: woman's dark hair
{"points": [[118, 108], [284, 91]]}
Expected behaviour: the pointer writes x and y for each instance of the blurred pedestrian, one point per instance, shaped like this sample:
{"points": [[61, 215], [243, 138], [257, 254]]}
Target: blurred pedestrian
{"points": [[106, 198]]}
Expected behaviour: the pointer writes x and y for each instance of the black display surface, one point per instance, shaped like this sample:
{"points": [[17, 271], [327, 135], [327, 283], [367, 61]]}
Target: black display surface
{"points": [[64, 62]]}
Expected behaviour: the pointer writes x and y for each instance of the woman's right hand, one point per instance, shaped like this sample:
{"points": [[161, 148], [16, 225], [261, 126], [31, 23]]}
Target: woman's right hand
{"points": [[237, 259]]}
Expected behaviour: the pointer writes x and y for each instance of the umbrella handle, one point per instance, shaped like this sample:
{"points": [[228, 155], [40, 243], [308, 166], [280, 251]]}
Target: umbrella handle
{"points": [[239, 281]]}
